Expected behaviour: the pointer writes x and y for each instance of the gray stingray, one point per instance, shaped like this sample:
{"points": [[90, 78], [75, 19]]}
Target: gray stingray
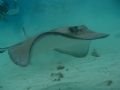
{"points": [[73, 40]]}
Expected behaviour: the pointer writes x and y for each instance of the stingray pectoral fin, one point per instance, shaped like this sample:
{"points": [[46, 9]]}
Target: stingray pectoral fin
{"points": [[78, 50], [20, 53], [94, 35]]}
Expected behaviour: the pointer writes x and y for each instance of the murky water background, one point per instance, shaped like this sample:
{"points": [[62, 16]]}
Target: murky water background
{"points": [[37, 16]]}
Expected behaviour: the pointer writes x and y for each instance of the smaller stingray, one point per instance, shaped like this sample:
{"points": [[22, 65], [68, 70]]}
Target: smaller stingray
{"points": [[14, 7], [73, 40]]}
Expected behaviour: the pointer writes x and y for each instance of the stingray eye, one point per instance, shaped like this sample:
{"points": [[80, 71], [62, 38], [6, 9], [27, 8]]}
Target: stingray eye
{"points": [[82, 28], [73, 30]]}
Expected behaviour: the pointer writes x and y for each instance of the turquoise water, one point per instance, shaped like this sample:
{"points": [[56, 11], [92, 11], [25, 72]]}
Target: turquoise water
{"points": [[25, 18]]}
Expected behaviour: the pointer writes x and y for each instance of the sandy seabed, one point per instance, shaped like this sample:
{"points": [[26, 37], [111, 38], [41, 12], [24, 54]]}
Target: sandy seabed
{"points": [[56, 71]]}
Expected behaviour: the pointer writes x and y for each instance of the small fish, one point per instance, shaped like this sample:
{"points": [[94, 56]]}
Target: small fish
{"points": [[71, 40]]}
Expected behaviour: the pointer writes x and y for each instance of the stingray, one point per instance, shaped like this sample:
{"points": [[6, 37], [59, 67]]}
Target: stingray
{"points": [[71, 40]]}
